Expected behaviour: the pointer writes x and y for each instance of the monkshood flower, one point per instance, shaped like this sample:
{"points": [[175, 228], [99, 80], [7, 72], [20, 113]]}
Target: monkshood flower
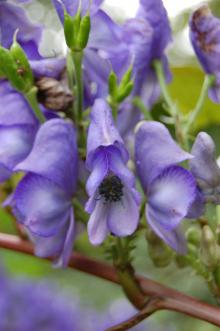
{"points": [[206, 170], [100, 55], [18, 127], [205, 38], [147, 37], [170, 189], [42, 201], [113, 202], [12, 18]]}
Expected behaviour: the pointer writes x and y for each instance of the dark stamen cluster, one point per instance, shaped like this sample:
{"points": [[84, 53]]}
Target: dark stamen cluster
{"points": [[111, 189]]}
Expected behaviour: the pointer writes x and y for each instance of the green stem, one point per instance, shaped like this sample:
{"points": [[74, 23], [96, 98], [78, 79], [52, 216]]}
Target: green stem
{"points": [[163, 85], [31, 97], [126, 275], [208, 82], [138, 103], [77, 60]]}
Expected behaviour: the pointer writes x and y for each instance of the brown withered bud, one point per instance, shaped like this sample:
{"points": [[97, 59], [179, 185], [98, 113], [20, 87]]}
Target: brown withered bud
{"points": [[54, 94]]}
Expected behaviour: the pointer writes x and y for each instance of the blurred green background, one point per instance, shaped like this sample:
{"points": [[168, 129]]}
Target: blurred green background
{"points": [[185, 88]]}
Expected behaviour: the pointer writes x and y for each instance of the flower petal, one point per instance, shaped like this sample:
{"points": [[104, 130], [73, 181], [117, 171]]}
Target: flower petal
{"points": [[123, 216], [54, 154], [154, 151], [15, 144], [97, 225], [40, 205], [170, 196], [100, 170], [48, 67], [102, 131], [204, 166], [174, 238]]}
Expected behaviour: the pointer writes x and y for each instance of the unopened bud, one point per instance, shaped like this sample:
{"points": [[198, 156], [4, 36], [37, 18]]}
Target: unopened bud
{"points": [[193, 236], [159, 252], [23, 67], [209, 250], [125, 92], [83, 34], [54, 94]]}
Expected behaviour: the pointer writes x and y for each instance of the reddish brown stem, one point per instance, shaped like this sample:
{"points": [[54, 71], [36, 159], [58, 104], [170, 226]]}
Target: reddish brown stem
{"points": [[169, 299]]}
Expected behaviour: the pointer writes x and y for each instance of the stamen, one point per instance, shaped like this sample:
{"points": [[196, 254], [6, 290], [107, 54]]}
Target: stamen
{"points": [[111, 189]]}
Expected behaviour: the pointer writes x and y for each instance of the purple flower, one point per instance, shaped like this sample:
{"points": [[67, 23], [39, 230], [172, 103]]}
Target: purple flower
{"points": [[147, 37], [205, 38], [18, 127], [113, 202], [206, 170], [170, 189], [12, 18], [42, 199]]}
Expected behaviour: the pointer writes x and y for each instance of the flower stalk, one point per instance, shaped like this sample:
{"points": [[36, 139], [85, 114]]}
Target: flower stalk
{"points": [[31, 97]]}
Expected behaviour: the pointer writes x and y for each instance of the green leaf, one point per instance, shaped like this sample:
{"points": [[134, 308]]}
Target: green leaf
{"points": [[185, 89]]}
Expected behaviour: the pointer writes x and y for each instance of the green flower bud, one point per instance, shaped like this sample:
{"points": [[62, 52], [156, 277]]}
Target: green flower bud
{"points": [[68, 29], [126, 78], [83, 34], [9, 69], [193, 236], [112, 84], [161, 255], [23, 67], [124, 92], [209, 250]]}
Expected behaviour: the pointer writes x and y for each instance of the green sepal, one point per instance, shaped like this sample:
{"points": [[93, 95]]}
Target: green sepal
{"points": [[126, 78]]}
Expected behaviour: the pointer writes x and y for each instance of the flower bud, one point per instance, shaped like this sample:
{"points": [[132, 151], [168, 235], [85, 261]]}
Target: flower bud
{"points": [[23, 66], [9, 69], [193, 236], [209, 250], [161, 255], [54, 94], [68, 29], [112, 84], [125, 92], [83, 34]]}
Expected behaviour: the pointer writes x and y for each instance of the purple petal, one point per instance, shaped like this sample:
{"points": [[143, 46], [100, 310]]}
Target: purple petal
{"points": [[64, 256], [197, 208], [15, 144], [97, 225], [174, 238], [100, 170], [40, 205], [14, 109], [5, 173], [54, 154], [170, 196], [102, 131], [123, 216], [49, 67], [13, 17], [155, 150], [204, 166]]}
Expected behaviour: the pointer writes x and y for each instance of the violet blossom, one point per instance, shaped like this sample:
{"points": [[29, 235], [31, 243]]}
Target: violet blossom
{"points": [[205, 38], [170, 189], [42, 201], [147, 36], [206, 170], [114, 201]]}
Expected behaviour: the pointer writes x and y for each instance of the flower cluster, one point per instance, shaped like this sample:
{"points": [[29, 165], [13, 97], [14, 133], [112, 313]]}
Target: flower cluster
{"points": [[105, 154]]}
